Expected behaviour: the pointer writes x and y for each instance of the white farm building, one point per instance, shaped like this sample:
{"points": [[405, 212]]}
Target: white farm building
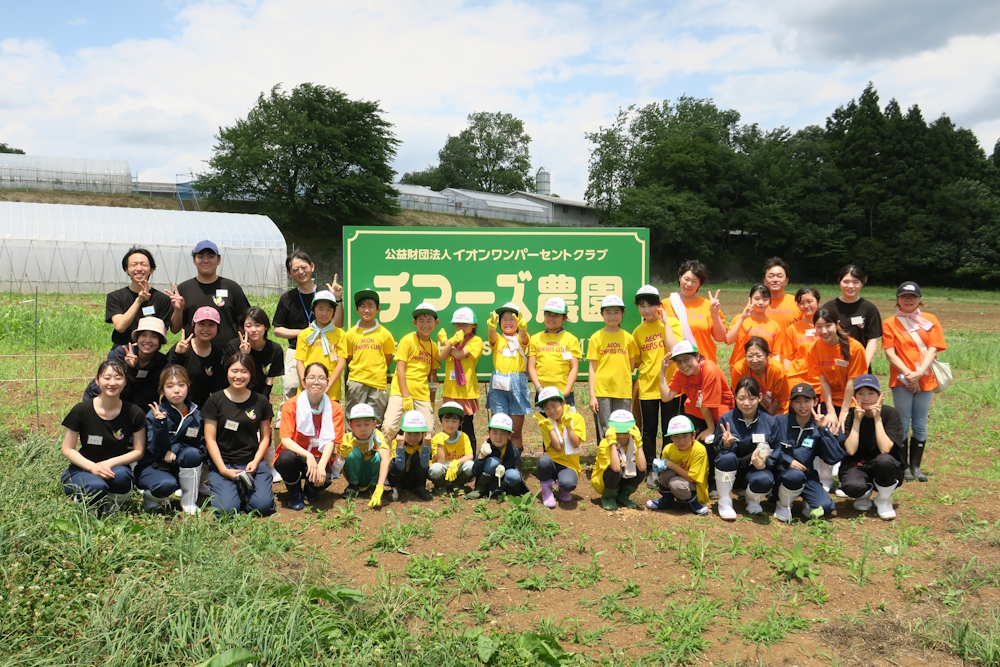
{"points": [[33, 172]]}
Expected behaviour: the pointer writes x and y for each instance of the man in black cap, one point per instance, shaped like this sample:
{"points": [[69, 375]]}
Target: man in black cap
{"points": [[208, 289]]}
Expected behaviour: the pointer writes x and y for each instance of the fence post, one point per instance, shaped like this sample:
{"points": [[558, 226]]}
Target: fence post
{"points": [[38, 418]]}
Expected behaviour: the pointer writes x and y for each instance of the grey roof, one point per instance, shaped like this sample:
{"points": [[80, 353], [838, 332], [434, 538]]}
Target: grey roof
{"points": [[554, 200], [499, 201], [14, 162], [417, 190]]}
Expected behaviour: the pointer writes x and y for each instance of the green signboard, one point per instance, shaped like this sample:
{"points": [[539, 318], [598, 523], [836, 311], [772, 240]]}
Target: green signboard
{"points": [[487, 267]]}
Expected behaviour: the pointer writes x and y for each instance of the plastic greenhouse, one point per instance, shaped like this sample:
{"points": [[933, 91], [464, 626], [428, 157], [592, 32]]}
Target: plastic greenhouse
{"points": [[59, 173], [58, 248]]}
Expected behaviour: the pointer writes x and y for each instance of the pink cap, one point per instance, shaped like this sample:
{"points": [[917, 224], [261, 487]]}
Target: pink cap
{"points": [[206, 313]]}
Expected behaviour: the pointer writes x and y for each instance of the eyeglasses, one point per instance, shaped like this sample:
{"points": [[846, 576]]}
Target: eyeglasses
{"points": [[312, 379], [299, 269]]}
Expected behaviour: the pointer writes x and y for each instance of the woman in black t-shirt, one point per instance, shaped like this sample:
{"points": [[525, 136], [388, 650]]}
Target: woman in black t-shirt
{"points": [[858, 316], [111, 434], [268, 357], [237, 434], [201, 357]]}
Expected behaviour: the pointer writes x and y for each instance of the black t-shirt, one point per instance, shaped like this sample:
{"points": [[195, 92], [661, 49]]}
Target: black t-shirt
{"points": [[143, 385], [101, 440], [224, 295], [867, 447], [269, 362], [237, 432], [207, 374], [119, 301], [294, 311], [866, 328]]}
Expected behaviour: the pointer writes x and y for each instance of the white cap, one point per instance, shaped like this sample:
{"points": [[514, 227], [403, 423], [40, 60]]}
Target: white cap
{"points": [[509, 307], [555, 305], [621, 420], [612, 300], [451, 408], [362, 411], [325, 295], [683, 347], [648, 289], [502, 422], [549, 392], [680, 424], [425, 308], [463, 316], [413, 422]]}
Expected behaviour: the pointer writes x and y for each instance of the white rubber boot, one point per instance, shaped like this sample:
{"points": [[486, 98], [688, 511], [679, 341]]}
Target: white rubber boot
{"points": [[188, 478], [825, 471], [783, 508], [269, 458], [724, 485], [753, 501], [151, 503], [883, 502], [864, 503]]}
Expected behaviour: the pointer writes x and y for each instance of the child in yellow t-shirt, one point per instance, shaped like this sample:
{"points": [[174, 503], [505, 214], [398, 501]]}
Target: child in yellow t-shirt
{"points": [[318, 342], [508, 389], [563, 435], [364, 455], [554, 354], [452, 466], [682, 469], [613, 355], [655, 336], [366, 350], [416, 360], [620, 464], [461, 354]]}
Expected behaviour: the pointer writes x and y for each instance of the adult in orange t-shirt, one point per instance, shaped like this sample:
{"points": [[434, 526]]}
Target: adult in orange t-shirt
{"points": [[838, 359], [798, 336], [768, 372], [783, 307], [752, 322], [912, 394], [697, 318], [702, 382], [307, 447]]}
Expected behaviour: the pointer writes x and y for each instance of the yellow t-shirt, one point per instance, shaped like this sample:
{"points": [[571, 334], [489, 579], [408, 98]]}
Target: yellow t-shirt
{"points": [[368, 450], [367, 352], [649, 337], [613, 353], [471, 389], [695, 461], [552, 353], [452, 451], [421, 357], [506, 357], [310, 354], [579, 426], [603, 460]]}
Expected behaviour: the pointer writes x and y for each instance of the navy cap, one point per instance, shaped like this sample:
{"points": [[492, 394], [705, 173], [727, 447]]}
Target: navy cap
{"points": [[803, 389], [909, 287], [206, 245], [867, 380]]}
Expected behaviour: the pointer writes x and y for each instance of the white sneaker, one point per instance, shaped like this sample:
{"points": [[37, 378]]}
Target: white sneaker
{"points": [[840, 493], [864, 503], [883, 502], [724, 485]]}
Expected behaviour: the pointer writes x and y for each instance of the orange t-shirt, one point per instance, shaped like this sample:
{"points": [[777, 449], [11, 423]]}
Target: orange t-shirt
{"points": [[792, 345], [774, 381], [288, 430], [826, 360], [895, 336], [699, 316], [711, 384], [754, 326], [784, 311]]}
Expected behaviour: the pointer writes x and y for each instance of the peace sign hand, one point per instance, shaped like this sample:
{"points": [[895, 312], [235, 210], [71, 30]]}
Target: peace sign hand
{"points": [[245, 343], [176, 300], [336, 288], [183, 345], [157, 412], [817, 417], [727, 435], [144, 289], [714, 305], [130, 357], [875, 411], [748, 309]]}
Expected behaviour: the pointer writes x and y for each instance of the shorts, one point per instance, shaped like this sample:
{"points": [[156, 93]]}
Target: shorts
{"points": [[356, 392], [290, 380], [512, 402], [394, 415]]}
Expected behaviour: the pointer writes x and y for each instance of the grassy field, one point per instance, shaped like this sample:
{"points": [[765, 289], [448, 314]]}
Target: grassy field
{"points": [[455, 582]]}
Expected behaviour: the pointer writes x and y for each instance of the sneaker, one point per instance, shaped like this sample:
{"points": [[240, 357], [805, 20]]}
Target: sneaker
{"points": [[697, 507], [351, 492], [423, 494]]}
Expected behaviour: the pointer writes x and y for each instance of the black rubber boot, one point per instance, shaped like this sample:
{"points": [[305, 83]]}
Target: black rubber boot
{"points": [[904, 451], [482, 487], [916, 455]]}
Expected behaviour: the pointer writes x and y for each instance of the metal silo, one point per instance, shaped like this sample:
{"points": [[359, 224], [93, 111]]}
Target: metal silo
{"points": [[543, 182]]}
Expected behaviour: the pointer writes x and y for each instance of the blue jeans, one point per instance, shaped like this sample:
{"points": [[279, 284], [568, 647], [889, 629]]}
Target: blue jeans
{"points": [[913, 408], [516, 401], [226, 499], [79, 481]]}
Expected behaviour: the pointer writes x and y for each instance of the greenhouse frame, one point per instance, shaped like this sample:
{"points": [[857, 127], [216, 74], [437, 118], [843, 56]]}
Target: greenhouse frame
{"points": [[33, 172], [79, 249]]}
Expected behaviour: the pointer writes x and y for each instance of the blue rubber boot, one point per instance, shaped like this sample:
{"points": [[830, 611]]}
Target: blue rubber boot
{"points": [[296, 501], [664, 502]]}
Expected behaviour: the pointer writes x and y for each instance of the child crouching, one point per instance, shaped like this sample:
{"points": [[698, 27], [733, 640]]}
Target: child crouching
{"points": [[496, 466], [452, 467], [682, 469], [620, 463], [409, 469]]}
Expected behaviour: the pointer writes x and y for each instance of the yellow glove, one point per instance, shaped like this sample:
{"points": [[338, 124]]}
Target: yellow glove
{"points": [[452, 473], [610, 434], [442, 336], [521, 322], [544, 423], [636, 435], [491, 323], [407, 404], [376, 496], [458, 337]]}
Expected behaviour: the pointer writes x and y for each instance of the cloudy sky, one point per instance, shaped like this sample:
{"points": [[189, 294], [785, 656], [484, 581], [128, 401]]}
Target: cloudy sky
{"points": [[151, 81]]}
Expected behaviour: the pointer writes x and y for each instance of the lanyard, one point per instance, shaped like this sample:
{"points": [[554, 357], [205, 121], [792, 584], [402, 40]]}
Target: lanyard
{"points": [[304, 309]]}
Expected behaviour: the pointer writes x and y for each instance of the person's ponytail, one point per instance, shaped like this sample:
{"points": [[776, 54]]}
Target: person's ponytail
{"points": [[831, 315]]}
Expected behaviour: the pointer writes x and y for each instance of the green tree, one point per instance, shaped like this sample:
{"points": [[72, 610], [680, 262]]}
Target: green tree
{"points": [[4, 148], [491, 155], [311, 156]]}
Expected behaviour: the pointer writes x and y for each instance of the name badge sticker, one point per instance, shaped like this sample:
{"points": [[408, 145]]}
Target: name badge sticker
{"points": [[141, 374], [841, 362], [758, 438], [567, 355], [95, 440], [191, 432], [858, 320], [811, 333], [148, 311], [451, 376], [808, 443], [232, 425], [222, 293]]}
